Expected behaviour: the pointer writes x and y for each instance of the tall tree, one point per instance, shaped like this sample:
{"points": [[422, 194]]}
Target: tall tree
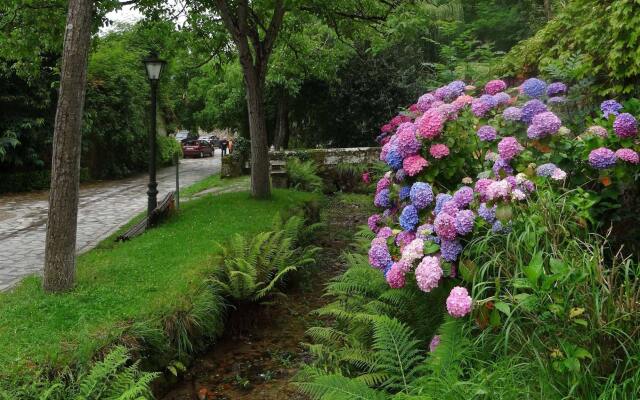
{"points": [[60, 249], [244, 23]]}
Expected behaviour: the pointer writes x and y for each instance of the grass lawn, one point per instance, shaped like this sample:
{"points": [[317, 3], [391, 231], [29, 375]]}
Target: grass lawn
{"points": [[146, 277]]}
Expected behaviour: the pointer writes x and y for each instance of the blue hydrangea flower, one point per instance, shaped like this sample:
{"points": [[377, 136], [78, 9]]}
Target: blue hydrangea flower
{"points": [[409, 218], [486, 213], [450, 250], [534, 87], [394, 159], [404, 192], [532, 108], [556, 89], [610, 107], [546, 170]]}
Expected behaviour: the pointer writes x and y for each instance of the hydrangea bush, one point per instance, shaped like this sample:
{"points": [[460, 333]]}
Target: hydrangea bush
{"points": [[462, 160]]}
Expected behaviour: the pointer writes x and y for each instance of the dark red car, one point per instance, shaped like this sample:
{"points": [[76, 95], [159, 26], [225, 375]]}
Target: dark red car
{"points": [[197, 148]]}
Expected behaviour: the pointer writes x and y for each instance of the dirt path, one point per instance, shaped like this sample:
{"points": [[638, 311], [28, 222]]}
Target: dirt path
{"points": [[258, 364]]}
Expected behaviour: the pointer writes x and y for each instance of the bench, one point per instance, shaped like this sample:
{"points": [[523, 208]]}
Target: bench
{"points": [[162, 210], [278, 172]]}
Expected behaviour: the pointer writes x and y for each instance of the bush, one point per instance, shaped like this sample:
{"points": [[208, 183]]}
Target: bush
{"points": [[303, 175], [168, 148]]}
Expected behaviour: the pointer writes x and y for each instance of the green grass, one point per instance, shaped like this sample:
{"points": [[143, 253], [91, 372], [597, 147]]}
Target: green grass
{"points": [[144, 278], [210, 182]]}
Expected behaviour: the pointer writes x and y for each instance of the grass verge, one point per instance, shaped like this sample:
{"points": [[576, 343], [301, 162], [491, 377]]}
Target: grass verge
{"points": [[148, 277]]}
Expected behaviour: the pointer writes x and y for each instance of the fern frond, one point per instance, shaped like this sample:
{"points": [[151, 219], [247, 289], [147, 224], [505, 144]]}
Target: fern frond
{"points": [[336, 387]]}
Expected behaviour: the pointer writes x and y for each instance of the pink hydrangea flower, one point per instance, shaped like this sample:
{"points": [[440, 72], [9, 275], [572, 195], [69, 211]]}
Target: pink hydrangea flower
{"points": [[481, 188], [499, 190], [439, 151], [383, 183], [459, 302], [509, 148], [495, 86], [413, 251], [395, 276], [558, 175], [430, 124], [428, 273], [414, 164], [445, 226], [628, 155]]}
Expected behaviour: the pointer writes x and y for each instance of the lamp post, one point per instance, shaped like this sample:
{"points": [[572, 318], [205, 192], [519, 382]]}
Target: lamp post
{"points": [[154, 67]]}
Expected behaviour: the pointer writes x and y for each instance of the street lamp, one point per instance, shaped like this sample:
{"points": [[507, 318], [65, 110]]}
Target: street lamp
{"points": [[154, 67]]}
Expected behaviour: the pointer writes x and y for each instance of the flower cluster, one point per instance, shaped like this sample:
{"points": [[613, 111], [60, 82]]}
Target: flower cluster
{"points": [[502, 136]]}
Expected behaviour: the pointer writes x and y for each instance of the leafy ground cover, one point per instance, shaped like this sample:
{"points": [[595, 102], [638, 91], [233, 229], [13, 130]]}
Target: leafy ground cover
{"points": [[258, 361], [146, 278]]}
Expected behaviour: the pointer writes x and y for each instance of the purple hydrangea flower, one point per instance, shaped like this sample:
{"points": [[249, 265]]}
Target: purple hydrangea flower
{"points": [[547, 123], [602, 158], [435, 342], [501, 98], [610, 107], [379, 256], [628, 155], [501, 165], [487, 133], [450, 207], [373, 222], [556, 88], [382, 199], [441, 199], [421, 195], [456, 88], [425, 101], [499, 227], [512, 114], [625, 125], [464, 222], [400, 175], [486, 213], [534, 87], [532, 108], [450, 250], [463, 196]]}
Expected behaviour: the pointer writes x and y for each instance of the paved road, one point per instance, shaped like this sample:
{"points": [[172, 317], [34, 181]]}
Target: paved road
{"points": [[104, 207]]}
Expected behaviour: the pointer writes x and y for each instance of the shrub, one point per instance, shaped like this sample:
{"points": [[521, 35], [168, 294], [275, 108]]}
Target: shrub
{"points": [[168, 149], [253, 268], [34, 180], [303, 175]]}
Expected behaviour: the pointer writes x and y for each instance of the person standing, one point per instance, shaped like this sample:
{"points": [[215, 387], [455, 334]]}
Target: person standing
{"points": [[224, 143], [230, 146]]}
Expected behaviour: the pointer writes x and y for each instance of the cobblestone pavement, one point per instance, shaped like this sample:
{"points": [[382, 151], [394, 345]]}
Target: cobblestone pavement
{"points": [[103, 208]]}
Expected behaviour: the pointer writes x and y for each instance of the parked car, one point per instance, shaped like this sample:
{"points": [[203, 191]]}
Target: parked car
{"points": [[212, 140], [197, 148]]}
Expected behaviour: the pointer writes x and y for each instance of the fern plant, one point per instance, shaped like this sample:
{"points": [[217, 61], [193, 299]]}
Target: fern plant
{"points": [[252, 268], [303, 175]]}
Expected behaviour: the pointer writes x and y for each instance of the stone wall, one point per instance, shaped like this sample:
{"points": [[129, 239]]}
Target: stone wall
{"points": [[328, 157]]}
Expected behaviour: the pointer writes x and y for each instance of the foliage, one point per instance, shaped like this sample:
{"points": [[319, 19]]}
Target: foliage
{"points": [[168, 149], [113, 378], [602, 37], [303, 175], [252, 269], [34, 180], [123, 295]]}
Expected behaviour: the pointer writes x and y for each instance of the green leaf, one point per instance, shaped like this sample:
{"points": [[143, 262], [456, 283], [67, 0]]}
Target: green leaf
{"points": [[494, 318], [534, 269], [581, 321], [503, 307], [582, 353], [430, 248]]}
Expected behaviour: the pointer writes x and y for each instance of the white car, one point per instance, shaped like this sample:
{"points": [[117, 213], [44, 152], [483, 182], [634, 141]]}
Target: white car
{"points": [[182, 135]]}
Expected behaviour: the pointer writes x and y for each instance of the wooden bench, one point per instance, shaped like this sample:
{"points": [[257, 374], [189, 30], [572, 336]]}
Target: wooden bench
{"points": [[278, 172], [162, 210]]}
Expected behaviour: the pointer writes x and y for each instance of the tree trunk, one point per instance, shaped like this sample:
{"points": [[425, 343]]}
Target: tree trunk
{"points": [[60, 248], [281, 140], [260, 180]]}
